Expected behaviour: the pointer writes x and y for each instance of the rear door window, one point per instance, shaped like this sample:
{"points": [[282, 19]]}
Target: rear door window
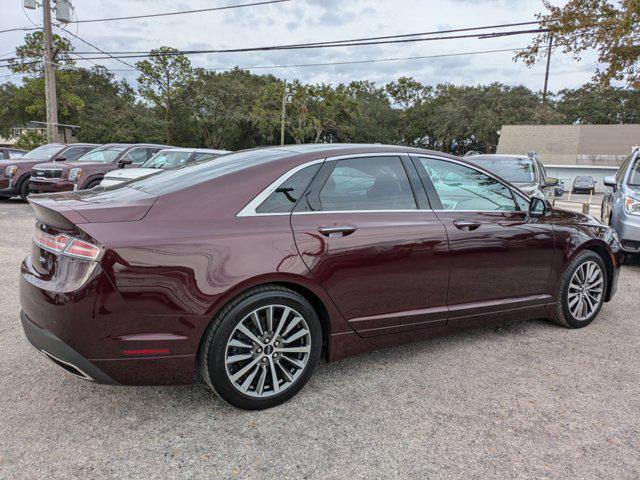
{"points": [[367, 184], [285, 197]]}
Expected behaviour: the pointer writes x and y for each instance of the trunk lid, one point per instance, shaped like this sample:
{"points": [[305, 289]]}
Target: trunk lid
{"points": [[86, 206]]}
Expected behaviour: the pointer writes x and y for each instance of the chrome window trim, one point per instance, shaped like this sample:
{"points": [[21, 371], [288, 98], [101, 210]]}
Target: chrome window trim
{"points": [[249, 210]]}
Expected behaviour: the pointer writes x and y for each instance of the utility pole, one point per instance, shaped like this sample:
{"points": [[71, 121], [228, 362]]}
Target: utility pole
{"points": [[49, 75], [283, 113], [546, 74]]}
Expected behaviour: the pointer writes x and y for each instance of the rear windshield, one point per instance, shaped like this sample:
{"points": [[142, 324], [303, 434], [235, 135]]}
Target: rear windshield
{"points": [[196, 173], [634, 176], [167, 160], [102, 155], [584, 179], [44, 152], [512, 169]]}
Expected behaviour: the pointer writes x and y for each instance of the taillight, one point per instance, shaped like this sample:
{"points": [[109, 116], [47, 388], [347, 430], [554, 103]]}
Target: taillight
{"points": [[51, 243], [66, 245], [81, 249]]}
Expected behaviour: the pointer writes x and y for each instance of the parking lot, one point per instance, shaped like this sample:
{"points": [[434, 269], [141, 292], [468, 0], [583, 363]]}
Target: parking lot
{"points": [[530, 399]]}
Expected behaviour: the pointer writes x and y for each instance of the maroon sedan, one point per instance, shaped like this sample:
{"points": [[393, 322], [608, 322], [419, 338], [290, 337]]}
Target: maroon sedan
{"points": [[88, 170], [15, 172], [251, 268]]}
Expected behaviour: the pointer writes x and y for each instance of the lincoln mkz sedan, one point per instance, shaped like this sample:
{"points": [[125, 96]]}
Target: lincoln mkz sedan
{"points": [[249, 269]]}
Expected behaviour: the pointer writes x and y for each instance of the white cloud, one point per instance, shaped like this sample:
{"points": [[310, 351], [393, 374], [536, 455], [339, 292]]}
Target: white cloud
{"points": [[317, 20]]}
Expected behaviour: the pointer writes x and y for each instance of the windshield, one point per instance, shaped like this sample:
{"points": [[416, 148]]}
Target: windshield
{"points": [[45, 152], [512, 169], [194, 173], [106, 155], [634, 175], [584, 179], [170, 159]]}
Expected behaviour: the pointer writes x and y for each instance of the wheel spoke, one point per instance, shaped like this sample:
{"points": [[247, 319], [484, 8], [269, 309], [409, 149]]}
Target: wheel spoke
{"points": [[285, 372], [296, 336], [256, 322], [303, 349], [283, 318], [275, 384], [291, 325], [263, 377], [250, 378], [244, 370], [293, 361], [239, 358], [235, 343], [249, 334], [573, 301], [270, 318]]}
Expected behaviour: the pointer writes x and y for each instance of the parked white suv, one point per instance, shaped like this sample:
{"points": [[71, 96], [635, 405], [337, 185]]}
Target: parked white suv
{"points": [[164, 159]]}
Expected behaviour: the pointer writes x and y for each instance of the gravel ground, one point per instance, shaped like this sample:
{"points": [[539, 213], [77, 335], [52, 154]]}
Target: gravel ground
{"points": [[528, 400]]}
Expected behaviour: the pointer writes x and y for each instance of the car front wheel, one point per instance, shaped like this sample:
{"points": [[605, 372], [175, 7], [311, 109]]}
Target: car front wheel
{"points": [[582, 291], [262, 348]]}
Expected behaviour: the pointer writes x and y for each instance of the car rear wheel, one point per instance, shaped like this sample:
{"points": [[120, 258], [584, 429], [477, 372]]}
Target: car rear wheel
{"points": [[262, 348], [582, 291]]}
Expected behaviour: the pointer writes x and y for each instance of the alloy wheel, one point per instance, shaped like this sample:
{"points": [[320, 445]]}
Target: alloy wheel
{"points": [[585, 290], [267, 351]]}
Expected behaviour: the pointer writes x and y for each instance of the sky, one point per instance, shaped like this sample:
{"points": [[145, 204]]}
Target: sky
{"points": [[300, 21]]}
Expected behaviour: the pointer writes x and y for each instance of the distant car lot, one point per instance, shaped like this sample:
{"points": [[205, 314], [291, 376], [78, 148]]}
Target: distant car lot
{"points": [[491, 403]]}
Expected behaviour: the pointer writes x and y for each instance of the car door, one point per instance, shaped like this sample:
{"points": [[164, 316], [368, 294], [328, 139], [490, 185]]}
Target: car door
{"points": [[613, 197], [366, 232], [500, 259]]}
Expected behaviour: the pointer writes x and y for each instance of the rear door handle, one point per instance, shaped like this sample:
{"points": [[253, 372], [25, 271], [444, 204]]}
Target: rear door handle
{"points": [[337, 231], [466, 224]]}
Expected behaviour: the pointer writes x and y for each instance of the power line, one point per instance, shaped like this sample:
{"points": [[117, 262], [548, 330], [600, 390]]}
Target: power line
{"points": [[119, 55], [182, 12], [19, 29]]}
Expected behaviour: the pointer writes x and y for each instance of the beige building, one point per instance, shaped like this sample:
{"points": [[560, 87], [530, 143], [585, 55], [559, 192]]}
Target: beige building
{"points": [[604, 145]]}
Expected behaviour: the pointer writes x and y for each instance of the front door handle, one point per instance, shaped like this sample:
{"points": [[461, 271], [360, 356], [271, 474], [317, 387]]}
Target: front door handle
{"points": [[337, 231], [466, 224]]}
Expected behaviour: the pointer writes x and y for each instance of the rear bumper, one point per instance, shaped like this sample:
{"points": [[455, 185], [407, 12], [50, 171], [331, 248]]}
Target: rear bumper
{"points": [[44, 186], [62, 354], [85, 326]]}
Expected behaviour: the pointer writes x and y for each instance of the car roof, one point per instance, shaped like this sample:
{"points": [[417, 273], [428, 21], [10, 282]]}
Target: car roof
{"points": [[502, 155], [185, 149], [127, 145]]}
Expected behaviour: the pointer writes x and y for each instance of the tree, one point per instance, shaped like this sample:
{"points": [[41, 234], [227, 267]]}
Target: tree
{"points": [[30, 140], [165, 81], [613, 29], [376, 120], [409, 96], [28, 58], [595, 104]]}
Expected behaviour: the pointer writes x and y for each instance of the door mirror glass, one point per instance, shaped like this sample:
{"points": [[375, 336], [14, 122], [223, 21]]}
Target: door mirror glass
{"points": [[125, 161], [537, 207], [551, 182]]}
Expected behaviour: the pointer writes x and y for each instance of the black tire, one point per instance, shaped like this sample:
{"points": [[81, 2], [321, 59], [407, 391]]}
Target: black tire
{"points": [[563, 315], [92, 184], [24, 189], [4, 197], [211, 361]]}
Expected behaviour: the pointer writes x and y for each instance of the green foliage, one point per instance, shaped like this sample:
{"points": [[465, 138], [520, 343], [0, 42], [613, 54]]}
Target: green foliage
{"points": [[29, 56], [30, 140]]}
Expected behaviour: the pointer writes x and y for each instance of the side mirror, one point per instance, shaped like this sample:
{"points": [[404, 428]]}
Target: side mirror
{"points": [[61, 159], [610, 181], [124, 161], [551, 182], [537, 207]]}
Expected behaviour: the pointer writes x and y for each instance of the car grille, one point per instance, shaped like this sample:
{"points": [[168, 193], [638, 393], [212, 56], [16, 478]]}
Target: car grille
{"points": [[45, 173]]}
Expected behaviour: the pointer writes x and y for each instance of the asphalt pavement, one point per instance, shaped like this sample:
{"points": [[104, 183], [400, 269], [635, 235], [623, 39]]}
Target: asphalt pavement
{"points": [[527, 400]]}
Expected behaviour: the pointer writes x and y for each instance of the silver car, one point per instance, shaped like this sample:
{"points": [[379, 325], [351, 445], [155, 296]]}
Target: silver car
{"points": [[621, 202], [524, 171]]}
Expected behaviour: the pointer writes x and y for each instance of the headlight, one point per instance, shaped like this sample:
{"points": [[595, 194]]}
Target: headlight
{"points": [[75, 174], [11, 170], [632, 206]]}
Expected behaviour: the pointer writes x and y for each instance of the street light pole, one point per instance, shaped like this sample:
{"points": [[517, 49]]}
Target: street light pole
{"points": [[546, 74], [283, 113], [51, 98]]}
